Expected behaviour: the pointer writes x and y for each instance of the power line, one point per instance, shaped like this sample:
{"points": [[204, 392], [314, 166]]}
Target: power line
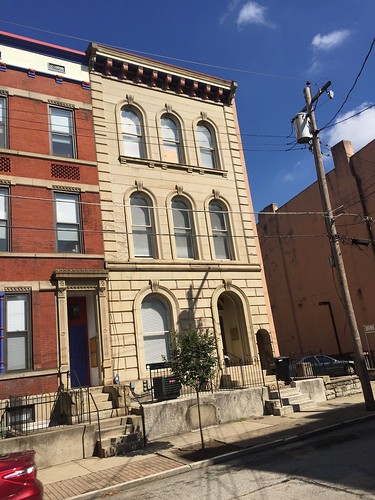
{"points": [[352, 87], [348, 117], [135, 51]]}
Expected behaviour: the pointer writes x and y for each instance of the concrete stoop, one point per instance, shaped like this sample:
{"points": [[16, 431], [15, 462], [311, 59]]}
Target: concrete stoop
{"points": [[117, 433], [119, 436], [286, 401]]}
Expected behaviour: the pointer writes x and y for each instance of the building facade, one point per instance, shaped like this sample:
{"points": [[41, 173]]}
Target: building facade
{"points": [[53, 303], [305, 300], [179, 234]]}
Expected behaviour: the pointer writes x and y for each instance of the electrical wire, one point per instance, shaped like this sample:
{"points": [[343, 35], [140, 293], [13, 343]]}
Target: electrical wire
{"points": [[159, 56], [348, 117], [353, 86]]}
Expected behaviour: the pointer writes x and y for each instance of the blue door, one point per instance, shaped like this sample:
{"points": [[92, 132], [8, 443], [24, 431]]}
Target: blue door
{"points": [[78, 342]]}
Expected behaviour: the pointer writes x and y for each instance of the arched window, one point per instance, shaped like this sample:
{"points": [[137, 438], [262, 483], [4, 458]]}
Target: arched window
{"points": [[132, 133], [220, 230], [207, 146], [155, 323], [171, 136], [142, 226], [183, 228]]}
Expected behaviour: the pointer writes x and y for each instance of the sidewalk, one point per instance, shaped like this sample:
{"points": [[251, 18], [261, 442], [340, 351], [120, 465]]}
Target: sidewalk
{"points": [[82, 478]]}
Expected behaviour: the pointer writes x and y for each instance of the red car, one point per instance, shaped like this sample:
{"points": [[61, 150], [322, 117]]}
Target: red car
{"points": [[18, 477]]}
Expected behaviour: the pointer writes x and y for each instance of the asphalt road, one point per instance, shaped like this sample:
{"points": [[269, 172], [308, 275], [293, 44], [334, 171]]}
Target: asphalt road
{"points": [[338, 465]]}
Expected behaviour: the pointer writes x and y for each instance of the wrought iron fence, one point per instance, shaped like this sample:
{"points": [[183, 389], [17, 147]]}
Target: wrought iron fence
{"points": [[22, 415], [232, 373]]}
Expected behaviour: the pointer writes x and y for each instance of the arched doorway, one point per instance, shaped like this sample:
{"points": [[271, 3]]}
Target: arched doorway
{"points": [[234, 335], [264, 348]]}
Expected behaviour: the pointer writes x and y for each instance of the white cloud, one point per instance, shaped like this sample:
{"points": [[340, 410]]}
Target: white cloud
{"points": [[289, 177], [253, 13], [359, 129], [330, 41], [231, 7]]}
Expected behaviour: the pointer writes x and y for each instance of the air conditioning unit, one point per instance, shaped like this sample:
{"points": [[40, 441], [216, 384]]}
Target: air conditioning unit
{"points": [[166, 387]]}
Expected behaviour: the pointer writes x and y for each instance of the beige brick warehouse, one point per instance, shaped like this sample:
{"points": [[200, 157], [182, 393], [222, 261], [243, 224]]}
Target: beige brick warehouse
{"points": [[179, 233]]}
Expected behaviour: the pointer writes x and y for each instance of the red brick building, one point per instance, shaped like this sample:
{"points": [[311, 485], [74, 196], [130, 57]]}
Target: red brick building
{"points": [[53, 312], [303, 288]]}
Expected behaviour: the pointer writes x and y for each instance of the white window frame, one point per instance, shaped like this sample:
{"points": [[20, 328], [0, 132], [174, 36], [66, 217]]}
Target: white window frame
{"points": [[220, 232], [183, 233], [4, 220], [18, 334], [132, 134], [142, 231], [156, 341], [61, 133], [207, 146], [4, 143], [171, 139], [68, 222]]}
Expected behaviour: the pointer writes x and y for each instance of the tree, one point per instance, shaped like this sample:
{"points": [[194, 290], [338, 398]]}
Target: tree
{"points": [[193, 359]]}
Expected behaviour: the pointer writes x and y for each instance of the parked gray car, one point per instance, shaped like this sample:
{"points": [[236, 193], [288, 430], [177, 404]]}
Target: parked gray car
{"points": [[325, 365]]}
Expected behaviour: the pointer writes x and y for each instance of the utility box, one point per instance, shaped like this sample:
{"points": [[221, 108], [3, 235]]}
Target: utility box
{"points": [[281, 365], [166, 387], [301, 123]]}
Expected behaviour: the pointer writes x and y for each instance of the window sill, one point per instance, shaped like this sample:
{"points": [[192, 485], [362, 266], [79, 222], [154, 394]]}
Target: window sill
{"points": [[27, 374], [124, 160]]}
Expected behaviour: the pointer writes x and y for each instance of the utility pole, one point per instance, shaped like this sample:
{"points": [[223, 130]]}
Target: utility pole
{"points": [[336, 251]]}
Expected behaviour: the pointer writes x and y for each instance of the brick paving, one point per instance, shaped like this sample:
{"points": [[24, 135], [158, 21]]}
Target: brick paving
{"points": [[63, 490]]}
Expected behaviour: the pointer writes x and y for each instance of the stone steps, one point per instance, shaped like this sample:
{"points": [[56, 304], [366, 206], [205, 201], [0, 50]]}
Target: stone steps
{"points": [[119, 436], [119, 433], [286, 401]]}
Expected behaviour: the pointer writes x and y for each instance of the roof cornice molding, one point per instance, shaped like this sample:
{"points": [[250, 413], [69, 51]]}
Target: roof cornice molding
{"points": [[141, 70]]}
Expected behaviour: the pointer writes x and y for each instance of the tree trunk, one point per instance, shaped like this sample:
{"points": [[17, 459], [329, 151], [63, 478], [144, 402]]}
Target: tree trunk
{"points": [[199, 418]]}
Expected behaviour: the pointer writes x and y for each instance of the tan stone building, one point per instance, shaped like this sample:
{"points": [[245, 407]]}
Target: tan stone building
{"points": [[306, 306], [179, 233]]}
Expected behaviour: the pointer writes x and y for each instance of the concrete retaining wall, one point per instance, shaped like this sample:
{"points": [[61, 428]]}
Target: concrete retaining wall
{"points": [[55, 447], [313, 388], [345, 386], [173, 417]]}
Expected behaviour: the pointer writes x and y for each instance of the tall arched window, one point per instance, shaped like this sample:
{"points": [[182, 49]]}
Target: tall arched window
{"points": [[142, 226], [183, 228], [207, 146], [155, 323], [132, 133], [171, 136], [220, 230]]}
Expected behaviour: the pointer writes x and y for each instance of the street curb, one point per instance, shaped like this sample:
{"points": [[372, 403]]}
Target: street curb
{"points": [[226, 457]]}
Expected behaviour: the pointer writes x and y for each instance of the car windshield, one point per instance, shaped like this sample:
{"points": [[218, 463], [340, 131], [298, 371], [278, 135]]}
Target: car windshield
{"points": [[310, 359], [325, 360]]}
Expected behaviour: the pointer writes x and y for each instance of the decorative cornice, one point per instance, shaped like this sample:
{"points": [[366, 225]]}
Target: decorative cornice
{"points": [[156, 74], [19, 289]]}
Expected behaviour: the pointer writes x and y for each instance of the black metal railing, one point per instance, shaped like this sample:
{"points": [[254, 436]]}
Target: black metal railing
{"points": [[229, 374]]}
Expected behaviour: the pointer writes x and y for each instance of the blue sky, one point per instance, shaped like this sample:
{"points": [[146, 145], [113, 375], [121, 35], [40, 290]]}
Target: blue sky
{"points": [[270, 47]]}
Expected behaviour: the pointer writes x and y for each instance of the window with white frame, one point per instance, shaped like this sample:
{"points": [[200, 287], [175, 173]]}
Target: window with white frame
{"points": [[155, 323], [3, 122], [132, 133], [220, 230], [183, 228], [207, 147], [171, 136], [62, 132], [68, 222], [142, 226], [4, 219], [17, 328]]}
